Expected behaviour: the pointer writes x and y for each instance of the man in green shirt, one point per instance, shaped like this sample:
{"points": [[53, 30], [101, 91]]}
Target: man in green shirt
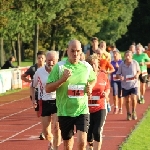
{"points": [[143, 61], [73, 81]]}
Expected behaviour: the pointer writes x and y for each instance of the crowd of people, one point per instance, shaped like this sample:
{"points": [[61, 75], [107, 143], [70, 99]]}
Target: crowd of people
{"points": [[71, 94]]}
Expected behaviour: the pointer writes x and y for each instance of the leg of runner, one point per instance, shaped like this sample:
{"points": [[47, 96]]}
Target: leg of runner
{"points": [[120, 99], [142, 89], [115, 96], [81, 140], [134, 103], [127, 101], [56, 132], [46, 123]]}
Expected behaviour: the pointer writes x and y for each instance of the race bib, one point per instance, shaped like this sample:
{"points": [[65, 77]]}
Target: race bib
{"points": [[93, 101], [129, 78], [76, 91], [115, 78], [144, 73]]}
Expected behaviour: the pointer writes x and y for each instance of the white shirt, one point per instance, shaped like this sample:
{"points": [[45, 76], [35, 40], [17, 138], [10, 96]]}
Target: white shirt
{"points": [[39, 80]]}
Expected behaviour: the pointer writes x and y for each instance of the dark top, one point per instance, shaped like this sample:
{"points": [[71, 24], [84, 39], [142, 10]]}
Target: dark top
{"points": [[7, 65], [31, 71], [91, 51]]}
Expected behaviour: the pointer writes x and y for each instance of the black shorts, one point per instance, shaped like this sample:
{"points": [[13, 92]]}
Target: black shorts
{"points": [[129, 92], [143, 79], [48, 107], [148, 70], [67, 125], [97, 121]]}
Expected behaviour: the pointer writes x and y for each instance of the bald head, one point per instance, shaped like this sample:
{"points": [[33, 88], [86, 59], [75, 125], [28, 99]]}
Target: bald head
{"points": [[74, 50], [74, 42]]}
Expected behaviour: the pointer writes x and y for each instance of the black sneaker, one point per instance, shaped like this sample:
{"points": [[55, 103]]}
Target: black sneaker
{"points": [[42, 137]]}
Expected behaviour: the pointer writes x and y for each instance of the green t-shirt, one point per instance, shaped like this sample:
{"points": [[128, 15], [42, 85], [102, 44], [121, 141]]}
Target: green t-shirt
{"points": [[142, 58], [71, 98]]}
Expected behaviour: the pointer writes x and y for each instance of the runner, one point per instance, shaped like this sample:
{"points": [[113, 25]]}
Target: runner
{"points": [[30, 72], [93, 47], [82, 57], [128, 72], [48, 101], [73, 80], [148, 66], [132, 49], [143, 61], [97, 106], [105, 54], [104, 64], [116, 84]]}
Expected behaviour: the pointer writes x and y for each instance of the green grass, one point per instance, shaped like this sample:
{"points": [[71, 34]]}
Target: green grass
{"points": [[140, 137], [24, 64], [13, 91]]}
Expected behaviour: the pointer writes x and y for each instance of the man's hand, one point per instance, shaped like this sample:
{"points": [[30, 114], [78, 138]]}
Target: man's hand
{"points": [[136, 76], [34, 104], [105, 94], [142, 63], [67, 73], [89, 89], [121, 78]]}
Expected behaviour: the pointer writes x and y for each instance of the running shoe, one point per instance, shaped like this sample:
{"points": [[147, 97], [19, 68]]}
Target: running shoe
{"points": [[142, 101], [42, 137], [129, 116], [90, 148], [115, 110], [50, 147], [120, 111], [134, 116]]}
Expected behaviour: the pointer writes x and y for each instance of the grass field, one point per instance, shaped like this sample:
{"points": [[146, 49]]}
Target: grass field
{"points": [[24, 64], [140, 137]]}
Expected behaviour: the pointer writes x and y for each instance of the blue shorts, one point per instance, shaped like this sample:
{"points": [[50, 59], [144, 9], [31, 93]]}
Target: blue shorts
{"points": [[116, 85], [129, 92]]}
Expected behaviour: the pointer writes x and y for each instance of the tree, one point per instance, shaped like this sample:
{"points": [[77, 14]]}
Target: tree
{"points": [[118, 18], [79, 19]]}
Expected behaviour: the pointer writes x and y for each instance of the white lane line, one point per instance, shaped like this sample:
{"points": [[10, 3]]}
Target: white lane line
{"points": [[19, 133], [15, 113], [14, 101]]}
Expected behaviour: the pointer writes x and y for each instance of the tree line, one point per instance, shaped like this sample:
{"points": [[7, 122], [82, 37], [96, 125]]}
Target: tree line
{"points": [[50, 24]]}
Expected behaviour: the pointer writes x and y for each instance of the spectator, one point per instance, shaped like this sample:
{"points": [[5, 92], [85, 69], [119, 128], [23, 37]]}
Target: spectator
{"points": [[8, 63]]}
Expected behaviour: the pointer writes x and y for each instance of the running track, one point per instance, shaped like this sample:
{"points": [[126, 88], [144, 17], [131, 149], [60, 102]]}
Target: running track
{"points": [[20, 128]]}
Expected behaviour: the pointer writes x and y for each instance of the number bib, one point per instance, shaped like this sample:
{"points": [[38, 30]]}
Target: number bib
{"points": [[115, 78], [144, 73], [93, 101], [129, 78], [76, 91]]}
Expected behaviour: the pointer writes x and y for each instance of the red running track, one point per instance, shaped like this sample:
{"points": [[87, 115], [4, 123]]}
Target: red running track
{"points": [[20, 128]]}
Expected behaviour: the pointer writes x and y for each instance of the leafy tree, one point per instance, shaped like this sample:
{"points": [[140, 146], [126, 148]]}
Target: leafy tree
{"points": [[118, 18], [80, 20]]}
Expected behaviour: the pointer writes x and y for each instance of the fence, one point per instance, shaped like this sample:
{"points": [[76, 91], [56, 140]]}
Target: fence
{"points": [[11, 79]]}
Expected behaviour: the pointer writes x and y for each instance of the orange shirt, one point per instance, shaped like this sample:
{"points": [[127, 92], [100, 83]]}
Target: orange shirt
{"points": [[148, 53], [105, 65]]}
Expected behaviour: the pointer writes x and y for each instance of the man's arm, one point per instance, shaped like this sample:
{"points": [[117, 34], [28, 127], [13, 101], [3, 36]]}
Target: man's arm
{"points": [[27, 73], [52, 86], [110, 68]]}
